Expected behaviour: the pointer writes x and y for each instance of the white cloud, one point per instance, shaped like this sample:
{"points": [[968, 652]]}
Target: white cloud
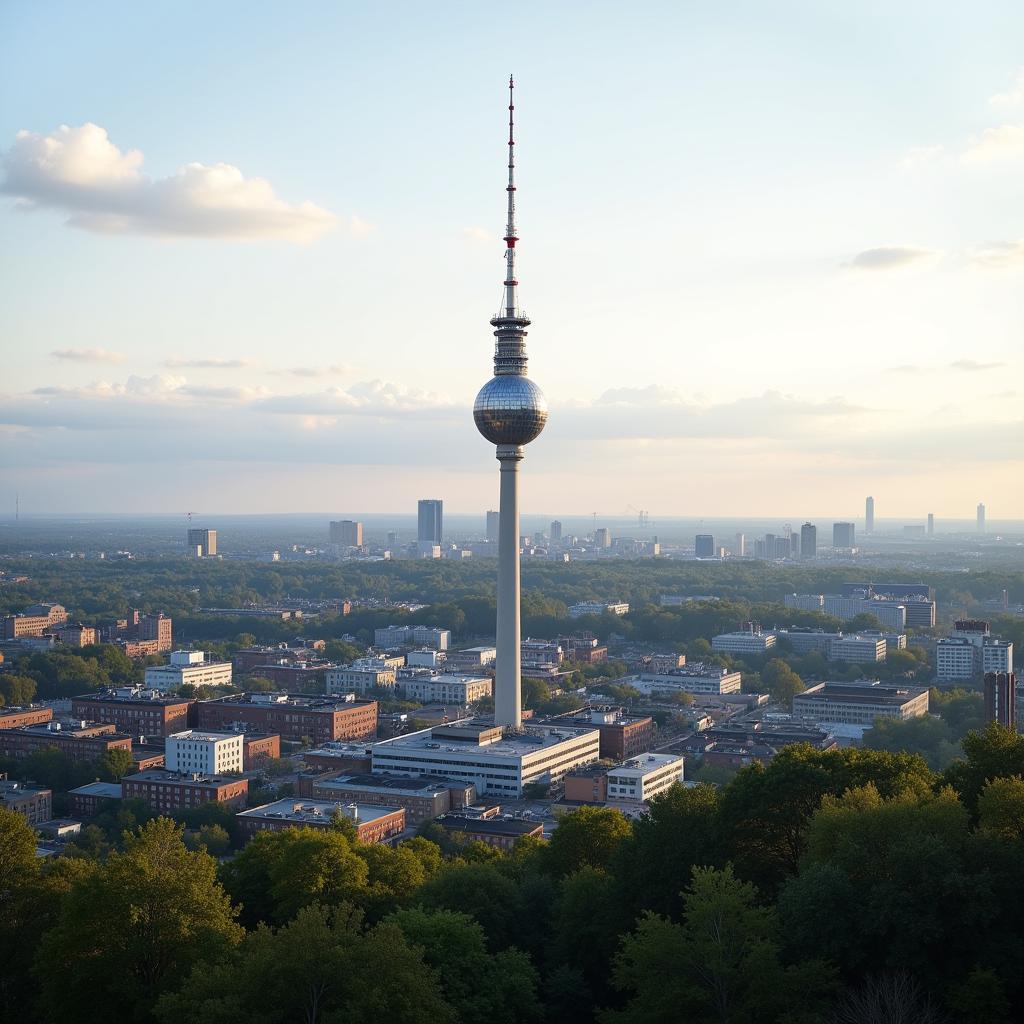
{"points": [[334, 370], [999, 255], [88, 355], [480, 236], [212, 363], [891, 257], [1003, 143], [80, 171], [1014, 97], [973, 366]]}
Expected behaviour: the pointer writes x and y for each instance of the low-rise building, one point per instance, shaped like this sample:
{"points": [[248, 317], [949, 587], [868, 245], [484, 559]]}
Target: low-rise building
{"points": [[34, 805], [399, 636], [622, 735], [74, 634], [423, 797], [89, 800], [850, 708], [581, 608], [471, 658], [188, 667], [135, 711], [857, 649], [79, 742], [167, 792], [744, 641], [442, 687], [696, 678], [373, 824], [209, 753], [363, 675], [259, 747], [643, 778], [33, 714], [502, 833], [293, 716]]}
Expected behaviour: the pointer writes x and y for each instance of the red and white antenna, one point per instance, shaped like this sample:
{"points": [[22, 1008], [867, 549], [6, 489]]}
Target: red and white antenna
{"points": [[510, 228]]}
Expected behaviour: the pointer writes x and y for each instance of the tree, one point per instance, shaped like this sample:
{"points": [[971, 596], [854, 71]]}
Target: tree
{"points": [[479, 890], [482, 988], [995, 753], [722, 963], [321, 967], [782, 682], [1001, 807], [133, 927], [115, 764], [212, 838], [930, 737], [588, 836], [16, 689]]}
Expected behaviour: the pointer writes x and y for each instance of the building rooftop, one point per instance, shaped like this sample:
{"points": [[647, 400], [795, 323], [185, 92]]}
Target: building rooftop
{"points": [[181, 778], [305, 701], [408, 785], [458, 738], [316, 812], [106, 789], [204, 736], [489, 826], [133, 695], [645, 764], [861, 693]]}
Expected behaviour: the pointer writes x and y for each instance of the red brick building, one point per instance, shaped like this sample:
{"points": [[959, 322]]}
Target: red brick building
{"points": [[498, 832], [168, 792], [587, 785], [135, 712], [258, 747], [372, 824], [89, 800], [35, 805], [82, 744], [292, 716], [16, 718]]}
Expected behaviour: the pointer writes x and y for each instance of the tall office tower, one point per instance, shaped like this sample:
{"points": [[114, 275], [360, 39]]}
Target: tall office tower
{"points": [[981, 518], [603, 537], [704, 545], [739, 547], [202, 543], [392, 541], [1000, 699], [347, 533], [510, 411], [869, 515], [492, 525], [808, 540], [556, 532], [429, 516], [931, 523], [844, 535]]}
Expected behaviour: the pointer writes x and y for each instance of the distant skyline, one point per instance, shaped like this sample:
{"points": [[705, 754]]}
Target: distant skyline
{"points": [[774, 257]]}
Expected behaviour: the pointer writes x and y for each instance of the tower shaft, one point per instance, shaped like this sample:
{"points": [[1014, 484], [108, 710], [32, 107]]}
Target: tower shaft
{"points": [[507, 694]]}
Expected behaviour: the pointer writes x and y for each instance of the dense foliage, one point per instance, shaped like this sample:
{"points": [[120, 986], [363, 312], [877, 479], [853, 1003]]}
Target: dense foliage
{"points": [[823, 887]]}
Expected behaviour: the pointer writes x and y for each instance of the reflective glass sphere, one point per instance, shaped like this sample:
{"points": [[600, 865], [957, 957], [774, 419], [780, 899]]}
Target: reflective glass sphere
{"points": [[510, 410]]}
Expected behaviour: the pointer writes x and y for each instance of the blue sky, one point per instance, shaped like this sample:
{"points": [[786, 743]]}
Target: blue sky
{"points": [[772, 252]]}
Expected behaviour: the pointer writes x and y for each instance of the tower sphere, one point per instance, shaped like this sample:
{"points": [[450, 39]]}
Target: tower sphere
{"points": [[510, 410]]}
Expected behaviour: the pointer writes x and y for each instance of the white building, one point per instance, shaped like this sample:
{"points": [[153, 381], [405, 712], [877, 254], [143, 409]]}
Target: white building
{"points": [[210, 753], [745, 641], [849, 709], [891, 614], [695, 678], [425, 658], [498, 765], [188, 667], [426, 636], [644, 777], [856, 649], [471, 658], [582, 608], [996, 655], [805, 602], [442, 688], [362, 675], [955, 658]]}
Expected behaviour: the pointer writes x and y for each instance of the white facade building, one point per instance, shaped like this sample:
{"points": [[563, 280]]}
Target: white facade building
{"points": [[996, 655], [497, 765], [362, 675], [743, 642], [425, 636], [443, 688], [644, 777], [210, 753], [955, 658], [696, 678], [188, 667], [805, 602], [582, 608]]}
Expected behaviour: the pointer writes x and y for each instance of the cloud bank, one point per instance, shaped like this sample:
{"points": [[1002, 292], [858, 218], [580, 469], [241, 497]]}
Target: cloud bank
{"points": [[88, 355], [890, 257], [80, 171]]}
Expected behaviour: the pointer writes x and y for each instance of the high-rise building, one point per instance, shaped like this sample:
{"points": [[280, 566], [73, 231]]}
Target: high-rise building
{"points": [[556, 532], [844, 535], [1000, 699], [492, 526], [347, 533], [808, 540], [392, 540], [202, 543], [510, 411], [931, 523], [603, 537], [869, 515], [704, 545], [739, 547], [981, 517], [428, 521]]}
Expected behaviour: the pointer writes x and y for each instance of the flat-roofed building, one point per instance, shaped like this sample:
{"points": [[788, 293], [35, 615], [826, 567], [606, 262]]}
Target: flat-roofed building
{"points": [[75, 634], [338, 757], [363, 675], [622, 735], [259, 747], [586, 785], [293, 716], [209, 753], [857, 705], [695, 678], [642, 778], [167, 792], [423, 796], [373, 824], [17, 626], [857, 650], [33, 714], [955, 658], [347, 533], [743, 641], [471, 658], [502, 833], [805, 602], [581, 608], [443, 687], [79, 742], [188, 667], [33, 804], [299, 677], [89, 800], [202, 543], [498, 764], [135, 711], [425, 636]]}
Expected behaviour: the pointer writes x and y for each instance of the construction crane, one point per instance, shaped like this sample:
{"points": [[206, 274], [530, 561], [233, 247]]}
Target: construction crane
{"points": [[643, 517]]}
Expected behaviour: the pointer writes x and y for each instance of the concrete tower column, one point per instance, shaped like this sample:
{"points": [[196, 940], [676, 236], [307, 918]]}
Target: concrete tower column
{"points": [[507, 692]]}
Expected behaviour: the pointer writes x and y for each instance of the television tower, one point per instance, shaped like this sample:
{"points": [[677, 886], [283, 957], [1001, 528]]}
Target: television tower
{"points": [[510, 411]]}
